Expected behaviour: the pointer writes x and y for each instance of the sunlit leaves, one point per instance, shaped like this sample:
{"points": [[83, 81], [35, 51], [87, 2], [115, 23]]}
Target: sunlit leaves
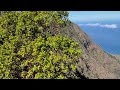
{"points": [[29, 52], [47, 57], [51, 63]]}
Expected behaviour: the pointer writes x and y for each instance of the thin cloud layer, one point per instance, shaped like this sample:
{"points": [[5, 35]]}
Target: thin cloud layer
{"points": [[113, 26]]}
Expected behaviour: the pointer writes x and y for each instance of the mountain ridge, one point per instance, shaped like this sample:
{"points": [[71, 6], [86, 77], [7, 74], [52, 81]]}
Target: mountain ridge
{"points": [[95, 62]]}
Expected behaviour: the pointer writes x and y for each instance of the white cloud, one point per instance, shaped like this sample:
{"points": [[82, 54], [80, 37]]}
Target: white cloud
{"points": [[96, 24], [109, 26], [100, 25]]}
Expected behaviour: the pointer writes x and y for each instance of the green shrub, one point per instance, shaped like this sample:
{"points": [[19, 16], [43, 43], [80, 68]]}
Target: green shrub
{"points": [[30, 23], [55, 57], [27, 51]]}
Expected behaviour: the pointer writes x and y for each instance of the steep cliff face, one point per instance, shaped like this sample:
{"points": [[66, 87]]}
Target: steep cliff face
{"points": [[95, 63]]}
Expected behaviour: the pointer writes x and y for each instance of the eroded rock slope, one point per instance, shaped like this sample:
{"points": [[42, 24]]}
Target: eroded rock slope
{"points": [[94, 63]]}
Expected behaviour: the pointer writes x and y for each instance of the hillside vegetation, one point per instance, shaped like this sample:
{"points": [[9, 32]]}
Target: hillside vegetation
{"points": [[46, 45], [32, 47]]}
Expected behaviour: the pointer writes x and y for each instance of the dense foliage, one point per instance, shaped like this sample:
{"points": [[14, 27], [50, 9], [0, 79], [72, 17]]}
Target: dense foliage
{"points": [[30, 48]]}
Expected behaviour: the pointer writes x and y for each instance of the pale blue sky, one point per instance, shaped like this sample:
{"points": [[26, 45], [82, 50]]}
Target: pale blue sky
{"points": [[86, 16]]}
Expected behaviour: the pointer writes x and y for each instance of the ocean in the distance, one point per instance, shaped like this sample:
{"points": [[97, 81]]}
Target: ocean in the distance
{"points": [[106, 34]]}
